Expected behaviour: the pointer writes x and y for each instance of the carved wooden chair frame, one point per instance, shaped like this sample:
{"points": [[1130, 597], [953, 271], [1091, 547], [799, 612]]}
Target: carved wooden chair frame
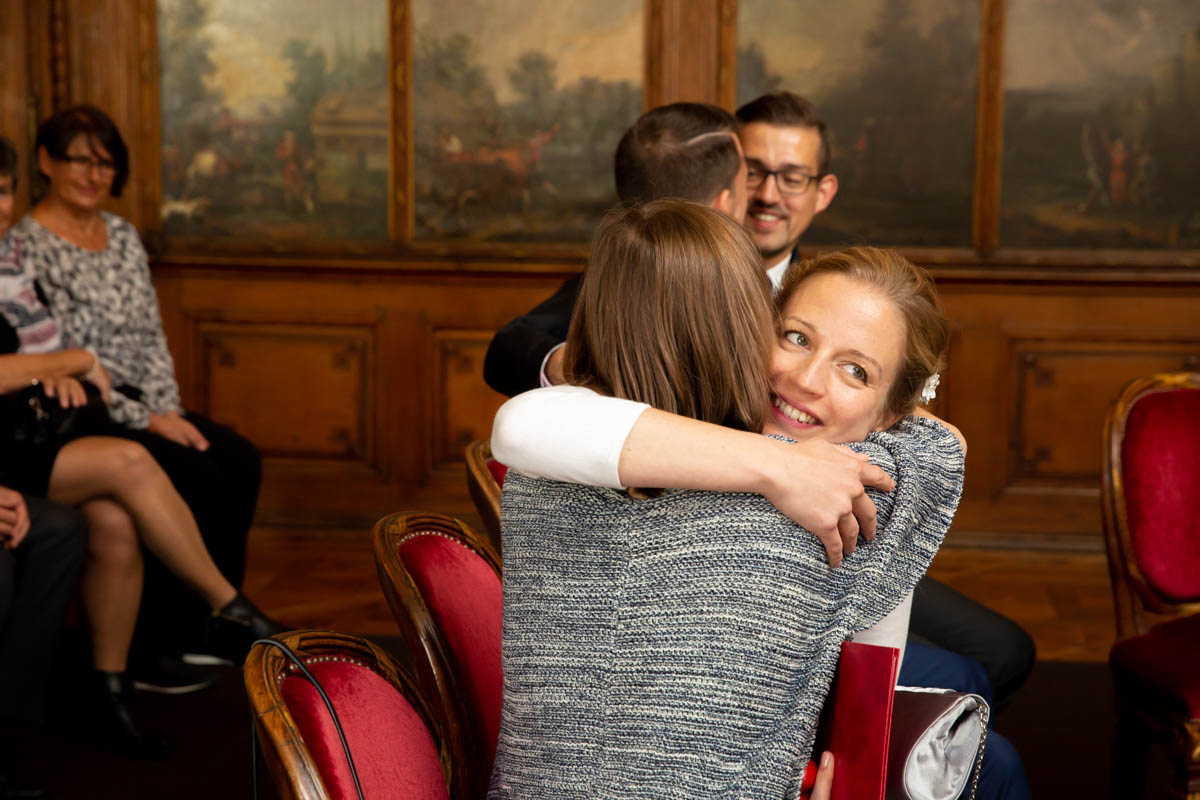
{"points": [[1131, 591], [434, 661], [1133, 596], [485, 492], [287, 757]]}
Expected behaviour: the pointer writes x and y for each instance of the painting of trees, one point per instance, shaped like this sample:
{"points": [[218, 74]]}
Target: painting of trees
{"points": [[1099, 127], [275, 120], [895, 80], [514, 140]]}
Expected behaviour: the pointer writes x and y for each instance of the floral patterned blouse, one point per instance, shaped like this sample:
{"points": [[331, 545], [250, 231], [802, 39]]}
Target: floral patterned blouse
{"points": [[104, 300]]}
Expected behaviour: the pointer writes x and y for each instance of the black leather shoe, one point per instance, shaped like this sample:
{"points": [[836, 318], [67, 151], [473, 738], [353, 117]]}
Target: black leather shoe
{"points": [[169, 675], [113, 724], [233, 628]]}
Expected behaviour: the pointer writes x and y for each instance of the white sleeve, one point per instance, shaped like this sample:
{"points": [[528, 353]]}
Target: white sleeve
{"points": [[891, 631], [542, 379], [565, 433]]}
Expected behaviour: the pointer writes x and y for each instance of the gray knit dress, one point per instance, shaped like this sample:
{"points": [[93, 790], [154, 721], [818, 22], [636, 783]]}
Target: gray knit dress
{"points": [[682, 646]]}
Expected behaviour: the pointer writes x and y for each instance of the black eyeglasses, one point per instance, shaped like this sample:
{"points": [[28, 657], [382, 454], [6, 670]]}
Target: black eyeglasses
{"points": [[88, 163], [789, 181]]}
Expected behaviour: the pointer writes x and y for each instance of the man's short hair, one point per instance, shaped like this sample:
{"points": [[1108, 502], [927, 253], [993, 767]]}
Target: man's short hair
{"points": [[685, 150], [8, 161], [788, 110]]}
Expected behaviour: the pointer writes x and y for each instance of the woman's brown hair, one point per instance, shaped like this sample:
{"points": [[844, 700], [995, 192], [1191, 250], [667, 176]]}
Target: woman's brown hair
{"points": [[674, 311], [926, 331]]}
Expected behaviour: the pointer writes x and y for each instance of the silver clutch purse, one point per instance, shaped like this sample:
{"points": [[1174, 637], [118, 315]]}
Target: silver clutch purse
{"points": [[936, 743]]}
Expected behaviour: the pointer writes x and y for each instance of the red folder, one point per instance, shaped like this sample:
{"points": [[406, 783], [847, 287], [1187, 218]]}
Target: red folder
{"points": [[856, 723]]}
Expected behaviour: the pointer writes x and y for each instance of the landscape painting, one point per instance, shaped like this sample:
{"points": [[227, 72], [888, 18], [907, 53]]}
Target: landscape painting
{"points": [[896, 81], [514, 134], [275, 120], [1102, 110]]}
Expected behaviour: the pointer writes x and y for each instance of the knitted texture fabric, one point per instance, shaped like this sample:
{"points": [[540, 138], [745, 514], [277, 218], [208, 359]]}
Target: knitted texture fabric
{"points": [[104, 300], [682, 646]]}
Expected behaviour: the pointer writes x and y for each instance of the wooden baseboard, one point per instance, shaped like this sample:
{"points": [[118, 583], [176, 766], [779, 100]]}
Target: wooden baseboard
{"points": [[1040, 542]]}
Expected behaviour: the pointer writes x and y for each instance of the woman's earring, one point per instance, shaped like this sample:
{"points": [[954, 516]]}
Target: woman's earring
{"points": [[929, 391]]}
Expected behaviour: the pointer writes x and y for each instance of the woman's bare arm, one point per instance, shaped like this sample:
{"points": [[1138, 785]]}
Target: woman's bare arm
{"points": [[18, 370], [817, 484], [574, 435]]}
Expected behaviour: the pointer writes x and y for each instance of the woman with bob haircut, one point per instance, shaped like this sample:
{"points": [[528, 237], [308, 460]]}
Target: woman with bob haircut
{"points": [[680, 642], [111, 336], [96, 278]]}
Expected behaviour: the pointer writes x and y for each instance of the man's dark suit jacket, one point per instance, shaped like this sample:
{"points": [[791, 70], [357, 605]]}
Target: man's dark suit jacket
{"points": [[514, 358]]}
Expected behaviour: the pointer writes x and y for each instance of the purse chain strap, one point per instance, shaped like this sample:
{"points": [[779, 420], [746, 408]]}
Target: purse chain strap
{"points": [[983, 717]]}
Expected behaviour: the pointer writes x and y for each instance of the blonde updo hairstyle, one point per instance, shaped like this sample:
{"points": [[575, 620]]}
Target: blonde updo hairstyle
{"points": [[926, 330], [675, 311]]}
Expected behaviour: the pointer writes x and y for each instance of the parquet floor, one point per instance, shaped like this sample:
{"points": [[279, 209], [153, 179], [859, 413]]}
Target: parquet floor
{"points": [[321, 577]]}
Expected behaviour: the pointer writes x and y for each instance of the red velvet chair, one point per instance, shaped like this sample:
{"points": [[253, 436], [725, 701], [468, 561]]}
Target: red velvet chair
{"points": [[442, 582], [400, 743], [1151, 505], [485, 477]]}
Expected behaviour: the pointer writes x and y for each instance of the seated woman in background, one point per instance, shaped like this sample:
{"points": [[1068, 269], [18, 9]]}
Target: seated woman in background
{"points": [[861, 332], [94, 272], [682, 643], [126, 497]]}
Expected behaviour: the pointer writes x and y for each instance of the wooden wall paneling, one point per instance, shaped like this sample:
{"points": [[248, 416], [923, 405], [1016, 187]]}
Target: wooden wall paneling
{"points": [[1031, 374], [683, 43], [149, 122], [104, 66], [14, 79], [281, 357], [297, 391], [465, 405], [401, 219], [1064, 391], [989, 127], [727, 54]]}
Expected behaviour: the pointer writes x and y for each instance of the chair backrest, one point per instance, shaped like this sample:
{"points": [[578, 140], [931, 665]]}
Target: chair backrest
{"points": [[485, 477], [398, 740], [1151, 498], [442, 582]]}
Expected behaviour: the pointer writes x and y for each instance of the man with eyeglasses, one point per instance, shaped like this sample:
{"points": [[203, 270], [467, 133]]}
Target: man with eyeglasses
{"points": [[787, 174]]}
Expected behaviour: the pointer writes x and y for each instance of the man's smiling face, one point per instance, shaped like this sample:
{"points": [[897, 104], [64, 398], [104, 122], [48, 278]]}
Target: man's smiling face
{"points": [[777, 219]]}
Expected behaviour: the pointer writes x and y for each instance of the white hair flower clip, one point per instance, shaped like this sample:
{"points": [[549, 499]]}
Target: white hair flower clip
{"points": [[929, 391]]}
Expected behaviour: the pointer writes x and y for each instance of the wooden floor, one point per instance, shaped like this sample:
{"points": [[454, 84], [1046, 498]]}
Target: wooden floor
{"points": [[325, 578]]}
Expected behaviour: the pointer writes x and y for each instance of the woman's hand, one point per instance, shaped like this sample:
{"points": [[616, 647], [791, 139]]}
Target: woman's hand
{"points": [[68, 390], [823, 789], [98, 376], [14, 518], [822, 486], [173, 426]]}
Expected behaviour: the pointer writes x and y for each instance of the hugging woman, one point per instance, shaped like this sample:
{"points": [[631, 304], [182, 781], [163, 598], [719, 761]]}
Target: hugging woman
{"points": [[662, 643]]}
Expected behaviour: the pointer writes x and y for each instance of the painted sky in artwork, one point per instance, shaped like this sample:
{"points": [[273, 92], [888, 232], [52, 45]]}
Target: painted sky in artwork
{"points": [[502, 30], [248, 40], [814, 45], [1069, 44]]}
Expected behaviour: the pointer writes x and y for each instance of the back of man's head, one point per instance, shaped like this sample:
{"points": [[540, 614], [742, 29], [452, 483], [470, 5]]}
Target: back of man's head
{"points": [[685, 150], [8, 161], [788, 110]]}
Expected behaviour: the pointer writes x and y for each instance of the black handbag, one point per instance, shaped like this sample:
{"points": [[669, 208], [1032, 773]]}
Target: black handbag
{"points": [[33, 418]]}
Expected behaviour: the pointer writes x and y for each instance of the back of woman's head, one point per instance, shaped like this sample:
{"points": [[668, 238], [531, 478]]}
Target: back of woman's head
{"points": [[674, 311], [926, 330]]}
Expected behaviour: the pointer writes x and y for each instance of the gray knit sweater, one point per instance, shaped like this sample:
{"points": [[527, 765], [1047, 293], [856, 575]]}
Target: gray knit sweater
{"points": [[682, 646]]}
